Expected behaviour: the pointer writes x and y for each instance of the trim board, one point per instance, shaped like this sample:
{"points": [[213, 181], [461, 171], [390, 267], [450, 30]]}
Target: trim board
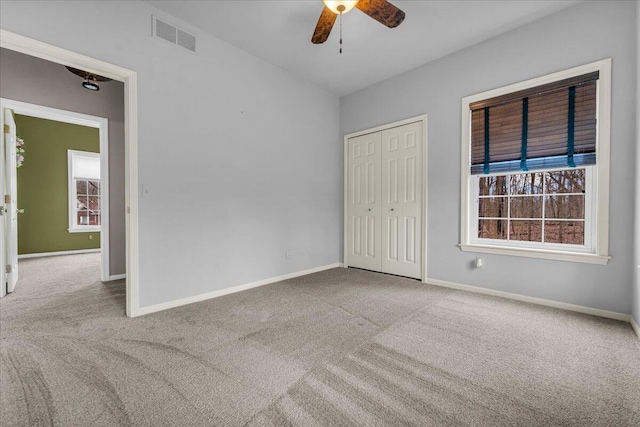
{"points": [[475, 289], [215, 294], [540, 301], [59, 253], [635, 326], [76, 252]]}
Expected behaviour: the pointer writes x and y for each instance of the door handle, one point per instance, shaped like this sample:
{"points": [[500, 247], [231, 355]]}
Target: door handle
{"points": [[20, 211], [391, 209], [369, 209]]}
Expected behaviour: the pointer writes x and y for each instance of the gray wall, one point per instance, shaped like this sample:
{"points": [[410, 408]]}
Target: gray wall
{"points": [[240, 159], [581, 34], [36, 81], [636, 266]]}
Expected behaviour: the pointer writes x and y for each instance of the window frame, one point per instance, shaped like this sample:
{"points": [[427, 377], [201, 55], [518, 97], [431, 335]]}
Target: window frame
{"points": [[598, 209], [73, 195], [589, 214]]}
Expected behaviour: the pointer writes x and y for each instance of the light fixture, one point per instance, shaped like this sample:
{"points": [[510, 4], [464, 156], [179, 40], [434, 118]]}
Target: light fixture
{"points": [[91, 80], [339, 6], [90, 84]]}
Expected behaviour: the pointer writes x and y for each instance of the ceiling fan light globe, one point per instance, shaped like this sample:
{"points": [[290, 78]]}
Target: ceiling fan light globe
{"points": [[90, 85], [335, 5]]}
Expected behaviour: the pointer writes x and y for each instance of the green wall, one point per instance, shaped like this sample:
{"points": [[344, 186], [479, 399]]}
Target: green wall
{"points": [[43, 185]]}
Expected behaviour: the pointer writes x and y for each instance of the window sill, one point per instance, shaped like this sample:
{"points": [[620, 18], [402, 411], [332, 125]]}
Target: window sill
{"points": [[538, 253], [84, 230]]}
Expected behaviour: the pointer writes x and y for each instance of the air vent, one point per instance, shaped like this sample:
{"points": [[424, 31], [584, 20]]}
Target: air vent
{"points": [[186, 40], [173, 34]]}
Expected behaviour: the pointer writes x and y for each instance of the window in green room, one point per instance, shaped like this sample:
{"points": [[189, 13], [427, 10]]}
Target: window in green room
{"points": [[84, 191]]}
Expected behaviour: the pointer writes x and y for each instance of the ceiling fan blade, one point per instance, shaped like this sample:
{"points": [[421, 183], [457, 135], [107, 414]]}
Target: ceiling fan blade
{"points": [[324, 26], [382, 11], [85, 74]]}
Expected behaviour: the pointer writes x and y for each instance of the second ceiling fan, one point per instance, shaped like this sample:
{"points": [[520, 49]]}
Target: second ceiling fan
{"points": [[380, 10]]}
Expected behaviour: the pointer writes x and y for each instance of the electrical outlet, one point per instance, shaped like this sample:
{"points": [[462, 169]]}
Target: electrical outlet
{"points": [[90, 236], [288, 253], [219, 267]]}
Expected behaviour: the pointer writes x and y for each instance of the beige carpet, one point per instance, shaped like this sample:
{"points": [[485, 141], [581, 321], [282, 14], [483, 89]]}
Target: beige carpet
{"points": [[341, 347]]}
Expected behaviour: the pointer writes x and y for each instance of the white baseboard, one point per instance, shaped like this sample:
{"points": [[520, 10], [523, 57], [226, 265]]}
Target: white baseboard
{"points": [[540, 301], [202, 297], [60, 253], [635, 326], [117, 277]]}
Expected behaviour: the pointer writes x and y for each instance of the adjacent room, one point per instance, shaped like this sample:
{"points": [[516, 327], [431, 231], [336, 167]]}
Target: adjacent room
{"points": [[64, 227], [62, 157], [320, 213]]}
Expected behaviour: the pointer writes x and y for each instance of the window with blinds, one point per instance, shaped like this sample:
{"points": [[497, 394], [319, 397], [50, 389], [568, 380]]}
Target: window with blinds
{"points": [[535, 167], [544, 127]]}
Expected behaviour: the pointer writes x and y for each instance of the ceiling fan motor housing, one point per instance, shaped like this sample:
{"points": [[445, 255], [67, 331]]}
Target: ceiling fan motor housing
{"points": [[380, 10], [340, 6]]}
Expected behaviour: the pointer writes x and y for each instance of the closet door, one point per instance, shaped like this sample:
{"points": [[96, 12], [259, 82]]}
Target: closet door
{"points": [[364, 202], [402, 200]]}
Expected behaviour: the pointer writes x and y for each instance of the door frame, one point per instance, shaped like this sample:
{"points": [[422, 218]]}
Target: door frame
{"points": [[3, 275], [102, 124], [417, 119], [38, 49]]}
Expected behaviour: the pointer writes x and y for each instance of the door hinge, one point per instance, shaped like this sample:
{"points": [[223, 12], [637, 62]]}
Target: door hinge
{"points": [[8, 269], [7, 128], [7, 198]]}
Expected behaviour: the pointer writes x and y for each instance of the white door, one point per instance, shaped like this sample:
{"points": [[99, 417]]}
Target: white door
{"points": [[364, 202], [3, 277], [402, 200], [11, 202]]}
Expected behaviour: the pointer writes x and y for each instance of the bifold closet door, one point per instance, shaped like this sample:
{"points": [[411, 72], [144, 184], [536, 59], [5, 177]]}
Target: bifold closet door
{"points": [[402, 200], [364, 202]]}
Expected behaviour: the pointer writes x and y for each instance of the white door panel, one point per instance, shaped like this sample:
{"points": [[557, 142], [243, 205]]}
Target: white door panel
{"points": [[3, 227], [364, 202], [11, 190], [402, 200]]}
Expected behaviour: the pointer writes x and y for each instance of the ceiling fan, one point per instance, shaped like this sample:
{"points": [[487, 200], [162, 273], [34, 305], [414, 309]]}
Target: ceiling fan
{"points": [[90, 80], [380, 10]]}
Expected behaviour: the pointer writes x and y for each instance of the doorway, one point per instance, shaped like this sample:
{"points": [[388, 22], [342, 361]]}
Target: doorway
{"points": [[64, 186], [385, 198], [36, 49]]}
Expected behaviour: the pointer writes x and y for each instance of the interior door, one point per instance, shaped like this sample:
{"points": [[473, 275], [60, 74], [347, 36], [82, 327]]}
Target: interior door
{"points": [[3, 227], [11, 202], [364, 202], [402, 200]]}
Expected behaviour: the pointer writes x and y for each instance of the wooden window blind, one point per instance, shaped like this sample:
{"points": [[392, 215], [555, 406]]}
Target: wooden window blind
{"points": [[547, 126]]}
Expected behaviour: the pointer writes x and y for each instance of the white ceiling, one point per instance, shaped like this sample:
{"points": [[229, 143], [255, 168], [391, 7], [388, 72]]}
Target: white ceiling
{"points": [[280, 32]]}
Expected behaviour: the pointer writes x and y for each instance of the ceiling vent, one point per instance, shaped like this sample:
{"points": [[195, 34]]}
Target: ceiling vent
{"points": [[173, 34]]}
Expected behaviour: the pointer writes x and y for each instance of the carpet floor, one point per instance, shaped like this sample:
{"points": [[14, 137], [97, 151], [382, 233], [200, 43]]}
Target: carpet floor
{"points": [[341, 347]]}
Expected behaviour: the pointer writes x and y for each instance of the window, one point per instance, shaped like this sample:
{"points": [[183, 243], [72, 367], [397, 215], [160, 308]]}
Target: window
{"points": [[540, 208], [84, 191], [536, 167]]}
